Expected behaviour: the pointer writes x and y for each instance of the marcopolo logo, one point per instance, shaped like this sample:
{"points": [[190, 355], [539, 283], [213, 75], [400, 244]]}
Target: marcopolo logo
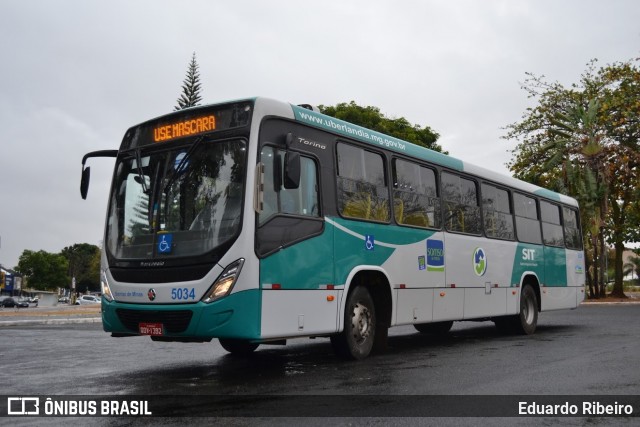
{"points": [[479, 262]]}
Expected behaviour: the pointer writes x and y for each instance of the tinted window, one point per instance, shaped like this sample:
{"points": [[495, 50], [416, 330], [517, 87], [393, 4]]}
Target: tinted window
{"points": [[362, 188], [498, 220], [527, 224], [415, 193], [551, 228], [572, 237], [461, 210]]}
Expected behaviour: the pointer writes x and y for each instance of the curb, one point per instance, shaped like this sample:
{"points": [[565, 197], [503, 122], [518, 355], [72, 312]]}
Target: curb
{"points": [[58, 321], [586, 304]]}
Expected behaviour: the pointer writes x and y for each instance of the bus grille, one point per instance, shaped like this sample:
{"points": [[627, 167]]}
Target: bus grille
{"points": [[174, 321]]}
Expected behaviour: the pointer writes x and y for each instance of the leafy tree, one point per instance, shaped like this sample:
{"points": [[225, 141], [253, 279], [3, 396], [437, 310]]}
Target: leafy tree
{"points": [[583, 141], [190, 96], [80, 260], [372, 118], [43, 270]]}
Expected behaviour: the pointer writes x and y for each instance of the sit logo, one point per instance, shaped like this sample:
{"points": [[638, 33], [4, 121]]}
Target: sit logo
{"points": [[529, 254]]}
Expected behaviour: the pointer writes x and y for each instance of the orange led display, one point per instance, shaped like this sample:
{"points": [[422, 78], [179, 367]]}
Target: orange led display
{"points": [[184, 128]]}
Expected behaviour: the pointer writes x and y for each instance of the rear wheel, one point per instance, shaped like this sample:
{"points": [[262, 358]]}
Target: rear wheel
{"points": [[526, 322], [238, 347], [435, 328], [358, 336]]}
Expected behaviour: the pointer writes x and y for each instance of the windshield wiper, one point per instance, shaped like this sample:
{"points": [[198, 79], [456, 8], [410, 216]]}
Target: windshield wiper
{"points": [[141, 180], [183, 162]]}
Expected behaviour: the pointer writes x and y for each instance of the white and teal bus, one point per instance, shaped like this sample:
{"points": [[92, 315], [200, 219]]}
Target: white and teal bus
{"points": [[257, 221]]}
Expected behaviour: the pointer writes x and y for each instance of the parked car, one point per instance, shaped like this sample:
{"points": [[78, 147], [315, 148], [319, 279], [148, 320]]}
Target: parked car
{"points": [[14, 302], [88, 299], [64, 300]]}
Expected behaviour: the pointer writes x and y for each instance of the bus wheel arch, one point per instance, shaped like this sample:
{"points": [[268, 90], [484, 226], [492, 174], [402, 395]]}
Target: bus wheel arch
{"points": [[368, 300]]}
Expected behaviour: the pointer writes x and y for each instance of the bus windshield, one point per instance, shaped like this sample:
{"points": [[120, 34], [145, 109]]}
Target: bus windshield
{"points": [[184, 201]]}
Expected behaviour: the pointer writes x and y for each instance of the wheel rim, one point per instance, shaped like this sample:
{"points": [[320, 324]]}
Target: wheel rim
{"points": [[528, 311], [361, 323]]}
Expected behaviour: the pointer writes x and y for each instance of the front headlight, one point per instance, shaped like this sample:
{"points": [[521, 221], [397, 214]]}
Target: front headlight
{"points": [[106, 290], [224, 283]]}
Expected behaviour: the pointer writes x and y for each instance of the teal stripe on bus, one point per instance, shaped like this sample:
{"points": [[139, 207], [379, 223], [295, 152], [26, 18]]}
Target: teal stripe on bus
{"points": [[549, 264]]}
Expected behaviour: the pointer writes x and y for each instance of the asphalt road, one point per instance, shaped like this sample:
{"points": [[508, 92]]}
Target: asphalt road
{"points": [[590, 351]]}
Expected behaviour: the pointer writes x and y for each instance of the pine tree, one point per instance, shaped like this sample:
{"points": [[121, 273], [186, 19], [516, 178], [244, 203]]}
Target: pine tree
{"points": [[190, 96]]}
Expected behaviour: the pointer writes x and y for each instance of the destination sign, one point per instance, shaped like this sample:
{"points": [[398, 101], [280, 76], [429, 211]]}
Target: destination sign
{"points": [[184, 128], [194, 122]]}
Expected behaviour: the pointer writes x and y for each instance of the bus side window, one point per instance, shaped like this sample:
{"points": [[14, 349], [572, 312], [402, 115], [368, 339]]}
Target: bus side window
{"points": [[498, 220], [551, 228], [527, 223], [415, 195], [572, 238], [362, 187], [461, 210]]}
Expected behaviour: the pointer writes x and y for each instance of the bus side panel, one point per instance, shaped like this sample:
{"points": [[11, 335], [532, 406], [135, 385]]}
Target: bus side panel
{"points": [[360, 243], [415, 269], [288, 313], [575, 273], [477, 267], [299, 303], [528, 260], [565, 279], [414, 306]]}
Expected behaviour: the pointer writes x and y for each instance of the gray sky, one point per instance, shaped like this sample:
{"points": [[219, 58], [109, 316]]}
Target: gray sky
{"points": [[76, 74]]}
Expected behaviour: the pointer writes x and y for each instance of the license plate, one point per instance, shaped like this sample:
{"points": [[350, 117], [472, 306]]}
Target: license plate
{"points": [[153, 329]]}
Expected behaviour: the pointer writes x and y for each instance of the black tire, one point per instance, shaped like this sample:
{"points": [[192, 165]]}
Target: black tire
{"points": [[238, 347], [435, 328], [526, 321], [358, 336]]}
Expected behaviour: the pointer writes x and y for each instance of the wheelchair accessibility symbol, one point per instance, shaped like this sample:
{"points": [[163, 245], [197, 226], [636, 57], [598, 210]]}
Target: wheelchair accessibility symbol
{"points": [[369, 242], [165, 244]]}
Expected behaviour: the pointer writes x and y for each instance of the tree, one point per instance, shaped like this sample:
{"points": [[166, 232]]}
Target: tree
{"points": [[43, 270], [372, 118], [81, 259], [583, 141], [190, 96]]}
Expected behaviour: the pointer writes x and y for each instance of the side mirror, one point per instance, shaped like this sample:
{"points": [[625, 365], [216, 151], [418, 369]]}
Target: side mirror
{"points": [[291, 170], [84, 182], [86, 171]]}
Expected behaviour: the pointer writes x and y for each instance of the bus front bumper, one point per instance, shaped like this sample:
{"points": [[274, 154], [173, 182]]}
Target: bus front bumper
{"points": [[234, 316]]}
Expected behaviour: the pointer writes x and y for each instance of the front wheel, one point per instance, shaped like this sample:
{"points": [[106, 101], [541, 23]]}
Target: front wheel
{"points": [[357, 338], [238, 347]]}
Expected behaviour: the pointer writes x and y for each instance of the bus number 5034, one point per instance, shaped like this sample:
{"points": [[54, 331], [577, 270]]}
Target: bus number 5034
{"points": [[183, 293]]}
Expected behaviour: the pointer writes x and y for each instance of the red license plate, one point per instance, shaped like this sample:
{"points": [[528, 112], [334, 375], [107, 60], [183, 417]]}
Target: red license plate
{"points": [[153, 329]]}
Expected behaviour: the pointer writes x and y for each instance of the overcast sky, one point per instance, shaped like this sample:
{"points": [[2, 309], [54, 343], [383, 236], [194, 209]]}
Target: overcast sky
{"points": [[75, 75]]}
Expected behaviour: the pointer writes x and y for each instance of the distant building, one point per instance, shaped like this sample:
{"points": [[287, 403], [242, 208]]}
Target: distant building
{"points": [[10, 281]]}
